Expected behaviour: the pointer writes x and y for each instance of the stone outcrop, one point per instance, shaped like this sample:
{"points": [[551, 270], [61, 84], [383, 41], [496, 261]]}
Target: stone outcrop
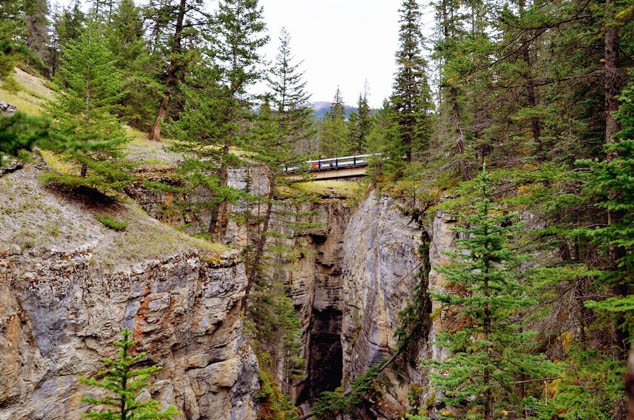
{"points": [[60, 311], [7, 109], [443, 241], [380, 265], [313, 270], [351, 269]]}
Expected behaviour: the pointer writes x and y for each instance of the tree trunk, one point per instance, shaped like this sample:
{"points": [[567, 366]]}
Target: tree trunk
{"points": [[171, 82], [611, 74], [155, 133], [531, 91], [259, 252], [611, 91], [215, 228]]}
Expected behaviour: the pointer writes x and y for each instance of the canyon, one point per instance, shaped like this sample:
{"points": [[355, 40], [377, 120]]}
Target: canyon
{"points": [[68, 285]]}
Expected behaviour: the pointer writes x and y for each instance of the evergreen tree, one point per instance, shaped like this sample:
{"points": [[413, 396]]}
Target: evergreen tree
{"points": [[354, 134], [19, 132], [359, 126], [334, 135], [37, 27], [68, 26], [11, 20], [290, 99], [611, 181], [141, 74], [490, 360], [126, 383], [411, 97], [236, 35], [201, 129], [84, 129], [186, 17]]}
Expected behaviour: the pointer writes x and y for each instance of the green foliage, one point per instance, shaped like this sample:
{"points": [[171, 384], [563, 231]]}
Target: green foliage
{"points": [[12, 54], [290, 101], [84, 130], [125, 383], [331, 405], [611, 182], [111, 223], [273, 403], [19, 132], [589, 387], [411, 97], [491, 351], [140, 72], [333, 137], [359, 127]]}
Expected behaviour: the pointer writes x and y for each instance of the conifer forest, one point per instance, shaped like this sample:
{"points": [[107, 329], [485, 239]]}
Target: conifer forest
{"points": [[187, 233]]}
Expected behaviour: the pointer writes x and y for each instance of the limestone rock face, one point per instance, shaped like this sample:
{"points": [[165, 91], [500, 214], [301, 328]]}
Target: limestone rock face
{"points": [[380, 263], [313, 270], [7, 109], [443, 240], [63, 303], [58, 322]]}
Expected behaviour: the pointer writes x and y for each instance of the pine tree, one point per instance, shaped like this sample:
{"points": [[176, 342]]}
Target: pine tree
{"points": [[611, 180], [37, 27], [11, 20], [201, 129], [490, 360], [84, 129], [19, 132], [68, 26], [359, 126], [236, 35], [411, 97], [126, 383], [187, 17], [290, 100], [334, 135], [141, 72], [354, 133]]}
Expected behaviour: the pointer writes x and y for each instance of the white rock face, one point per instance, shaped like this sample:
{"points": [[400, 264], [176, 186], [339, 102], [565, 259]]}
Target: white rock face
{"points": [[380, 262], [61, 308], [58, 322], [444, 240]]}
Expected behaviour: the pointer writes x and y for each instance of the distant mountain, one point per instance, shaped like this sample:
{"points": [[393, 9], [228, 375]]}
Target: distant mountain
{"points": [[321, 108]]}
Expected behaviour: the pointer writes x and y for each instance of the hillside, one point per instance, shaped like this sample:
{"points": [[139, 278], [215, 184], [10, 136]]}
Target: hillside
{"points": [[156, 185]]}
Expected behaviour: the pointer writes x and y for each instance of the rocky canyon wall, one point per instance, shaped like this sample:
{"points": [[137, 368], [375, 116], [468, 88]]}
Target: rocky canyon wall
{"points": [[61, 308]]}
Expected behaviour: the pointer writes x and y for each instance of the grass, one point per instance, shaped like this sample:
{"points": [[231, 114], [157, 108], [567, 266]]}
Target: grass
{"points": [[31, 96], [328, 188], [111, 223], [57, 164], [150, 153]]}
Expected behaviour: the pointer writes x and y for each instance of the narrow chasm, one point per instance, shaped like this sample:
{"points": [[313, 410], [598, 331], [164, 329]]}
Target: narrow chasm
{"points": [[325, 357]]}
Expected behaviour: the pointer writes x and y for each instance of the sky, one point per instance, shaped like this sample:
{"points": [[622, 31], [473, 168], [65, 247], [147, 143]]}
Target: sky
{"points": [[343, 43]]}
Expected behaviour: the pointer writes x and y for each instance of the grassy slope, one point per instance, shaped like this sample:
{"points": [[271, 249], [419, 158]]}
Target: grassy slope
{"points": [[33, 93], [344, 189], [32, 216]]}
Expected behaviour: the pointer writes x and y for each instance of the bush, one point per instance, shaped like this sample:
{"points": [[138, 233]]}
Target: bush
{"points": [[111, 223]]}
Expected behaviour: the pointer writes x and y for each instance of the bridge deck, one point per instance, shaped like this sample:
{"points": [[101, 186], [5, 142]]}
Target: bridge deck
{"points": [[333, 168]]}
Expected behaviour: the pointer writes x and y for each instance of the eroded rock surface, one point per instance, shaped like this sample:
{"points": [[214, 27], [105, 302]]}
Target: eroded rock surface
{"points": [[60, 311], [380, 263]]}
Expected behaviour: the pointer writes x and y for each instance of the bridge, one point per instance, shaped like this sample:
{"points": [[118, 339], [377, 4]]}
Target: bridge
{"points": [[334, 168]]}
